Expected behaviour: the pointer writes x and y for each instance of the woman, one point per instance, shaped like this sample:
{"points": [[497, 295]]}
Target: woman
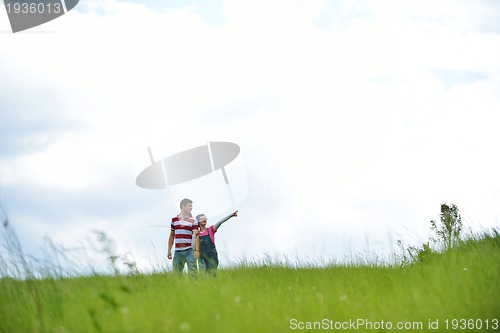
{"points": [[209, 261]]}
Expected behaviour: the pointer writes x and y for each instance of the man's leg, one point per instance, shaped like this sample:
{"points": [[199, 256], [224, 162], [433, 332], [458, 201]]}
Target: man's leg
{"points": [[178, 262], [191, 262]]}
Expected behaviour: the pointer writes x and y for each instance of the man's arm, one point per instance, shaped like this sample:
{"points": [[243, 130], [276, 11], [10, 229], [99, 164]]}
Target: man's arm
{"points": [[170, 244], [218, 224]]}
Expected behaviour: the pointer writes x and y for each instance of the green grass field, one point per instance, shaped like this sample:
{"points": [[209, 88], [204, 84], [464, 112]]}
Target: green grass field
{"points": [[454, 291]]}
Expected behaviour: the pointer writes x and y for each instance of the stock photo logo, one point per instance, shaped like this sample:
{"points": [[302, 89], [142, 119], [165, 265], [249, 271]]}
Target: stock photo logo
{"points": [[210, 171], [26, 14]]}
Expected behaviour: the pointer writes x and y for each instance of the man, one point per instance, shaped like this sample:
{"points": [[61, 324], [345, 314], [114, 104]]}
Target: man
{"points": [[182, 230]]}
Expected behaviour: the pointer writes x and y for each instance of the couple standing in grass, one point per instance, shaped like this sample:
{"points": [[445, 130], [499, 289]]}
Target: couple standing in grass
{"points": [[193, 240]]}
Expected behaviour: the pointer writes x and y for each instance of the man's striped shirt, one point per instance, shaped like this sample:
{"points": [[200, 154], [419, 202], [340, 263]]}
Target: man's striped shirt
{"points": [[183, 229]]}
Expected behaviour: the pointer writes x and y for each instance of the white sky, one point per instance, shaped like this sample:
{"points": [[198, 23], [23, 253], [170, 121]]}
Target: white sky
{"points": [[356, 120]]}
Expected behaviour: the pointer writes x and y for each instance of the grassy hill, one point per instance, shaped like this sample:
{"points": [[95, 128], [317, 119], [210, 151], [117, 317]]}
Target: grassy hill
{"points": [[458, 290]]}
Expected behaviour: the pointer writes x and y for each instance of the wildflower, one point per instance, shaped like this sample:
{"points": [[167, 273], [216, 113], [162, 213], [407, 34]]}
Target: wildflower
{"points": [[184, 327]]}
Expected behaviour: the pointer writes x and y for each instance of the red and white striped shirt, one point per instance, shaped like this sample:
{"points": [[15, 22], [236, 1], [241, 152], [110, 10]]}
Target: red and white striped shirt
{"points": [[183, 229]]}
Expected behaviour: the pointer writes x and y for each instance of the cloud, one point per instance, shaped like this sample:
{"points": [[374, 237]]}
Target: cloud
{"points": [[32, 114], [462, 16]]}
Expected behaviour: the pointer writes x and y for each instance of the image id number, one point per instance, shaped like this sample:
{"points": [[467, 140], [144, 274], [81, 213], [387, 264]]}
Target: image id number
{"points": [[33, 8], [471, 324]]}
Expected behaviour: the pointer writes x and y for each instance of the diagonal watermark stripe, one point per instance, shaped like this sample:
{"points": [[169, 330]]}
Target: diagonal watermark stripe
{"points": [[26, 14]]}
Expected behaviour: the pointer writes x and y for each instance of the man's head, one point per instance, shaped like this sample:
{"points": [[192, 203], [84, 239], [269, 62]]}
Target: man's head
{"points": [[186, 206]]}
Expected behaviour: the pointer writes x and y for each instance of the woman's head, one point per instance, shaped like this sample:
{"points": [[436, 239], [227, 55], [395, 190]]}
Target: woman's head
{"points": [[202, 219]]}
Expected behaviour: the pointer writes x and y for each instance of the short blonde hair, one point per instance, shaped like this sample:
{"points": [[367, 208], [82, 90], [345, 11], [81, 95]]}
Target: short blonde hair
{"points": [[185, 202]]}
